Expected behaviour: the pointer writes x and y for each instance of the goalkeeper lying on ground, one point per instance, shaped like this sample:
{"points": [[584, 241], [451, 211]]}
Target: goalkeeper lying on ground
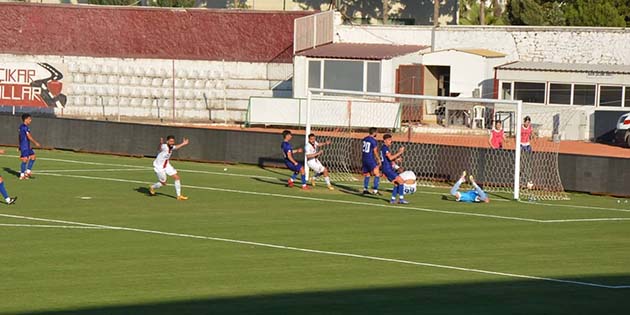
{"points": [[473, 195]]}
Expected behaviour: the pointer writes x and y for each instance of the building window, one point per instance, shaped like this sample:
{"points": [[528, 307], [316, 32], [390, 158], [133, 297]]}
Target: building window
{"points": [[506, 91], [529, 92], [610, 95], [314, 74], [343, 75], [627, 102], [373, 77], [560, 94], [349, 75], [584, 94]]}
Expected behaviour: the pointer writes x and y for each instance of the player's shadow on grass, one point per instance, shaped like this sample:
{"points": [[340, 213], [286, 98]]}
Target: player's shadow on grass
{"points": [[278, 181], [275, 170], [355, 191], [145, 191], [12, 172]]}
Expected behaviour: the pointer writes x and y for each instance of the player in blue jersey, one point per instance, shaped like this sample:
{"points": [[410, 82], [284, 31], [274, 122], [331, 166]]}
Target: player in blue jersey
{"points": [[474, 195], [290, 162], [388, 169], [27, 155], [371, 162], [3, 190]]}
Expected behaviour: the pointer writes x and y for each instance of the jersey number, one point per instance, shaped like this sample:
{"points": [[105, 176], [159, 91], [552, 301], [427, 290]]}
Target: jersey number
{"points": [[366, 147]]}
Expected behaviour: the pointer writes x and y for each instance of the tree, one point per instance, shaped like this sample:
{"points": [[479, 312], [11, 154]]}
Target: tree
{"points": [[470, 13], [436, 12], [497, 11], [593, 13], [525, 12], [385, 11], [482, 12], [113, 2], [172, 3]]}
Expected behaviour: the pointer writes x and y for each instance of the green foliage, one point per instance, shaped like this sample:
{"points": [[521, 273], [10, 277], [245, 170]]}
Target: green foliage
{"points": [[470, 11], [525, 12], [113, 2], [594, 13], [569, 12], [172, 3]]}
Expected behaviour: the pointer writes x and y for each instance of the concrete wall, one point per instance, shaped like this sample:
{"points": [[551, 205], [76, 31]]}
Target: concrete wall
{"points": [[138, 32], [578, 173], [540, 44]]}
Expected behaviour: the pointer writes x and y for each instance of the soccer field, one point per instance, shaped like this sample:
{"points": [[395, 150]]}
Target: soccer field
{"points": [[85, 238]]}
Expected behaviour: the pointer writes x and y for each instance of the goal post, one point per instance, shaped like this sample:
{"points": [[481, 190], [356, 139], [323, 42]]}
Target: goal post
{"points": [[442, 136]]}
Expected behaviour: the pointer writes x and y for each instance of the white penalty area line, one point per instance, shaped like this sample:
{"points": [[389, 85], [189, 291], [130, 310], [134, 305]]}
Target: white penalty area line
{"points": [[325, 252], [52, 226], [127, 166], [472, 214]]}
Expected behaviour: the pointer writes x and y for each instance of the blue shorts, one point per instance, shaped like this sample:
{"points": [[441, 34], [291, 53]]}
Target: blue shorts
{"points": [[369, 166], [390, 174], [526, 148], [293, 167], [26, 152]]}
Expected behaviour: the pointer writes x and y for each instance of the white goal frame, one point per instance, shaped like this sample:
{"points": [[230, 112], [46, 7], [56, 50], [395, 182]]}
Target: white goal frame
{"points": [[341, 93]]}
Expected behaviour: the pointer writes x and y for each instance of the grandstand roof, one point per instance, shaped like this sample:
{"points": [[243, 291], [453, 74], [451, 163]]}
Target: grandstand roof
{"points": [[566, 67], [135, 32], [361, 51]]}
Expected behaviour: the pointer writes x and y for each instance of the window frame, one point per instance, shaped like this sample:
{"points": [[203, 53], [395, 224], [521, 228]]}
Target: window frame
{"points": [[599, 95], [322, 72]]}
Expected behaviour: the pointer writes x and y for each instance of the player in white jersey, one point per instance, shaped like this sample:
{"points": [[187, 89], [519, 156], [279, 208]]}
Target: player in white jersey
{"points": [[312, 151], [163, 167], [409, 177], [410, 182]]}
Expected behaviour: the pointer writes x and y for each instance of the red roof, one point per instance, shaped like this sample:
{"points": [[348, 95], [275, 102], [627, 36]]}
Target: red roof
{"points": [[107, 31], [361, 51]]}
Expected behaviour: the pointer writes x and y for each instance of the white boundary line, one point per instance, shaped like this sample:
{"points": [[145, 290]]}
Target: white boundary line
{"points": [[343, 201], [324, 252], [275, 178], [92, 170], [53, 226]]}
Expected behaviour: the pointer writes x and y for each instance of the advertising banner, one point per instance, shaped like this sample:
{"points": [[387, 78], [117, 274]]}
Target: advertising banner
{"points": [[31, 84]]}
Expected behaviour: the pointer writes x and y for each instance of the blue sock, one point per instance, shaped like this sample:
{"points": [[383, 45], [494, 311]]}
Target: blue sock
{"points": [[303, 178], [293, 176], [30, 164], [401, 191], [366, 182], [377, 180], [394, 192], [23, 167], [3, 191]]}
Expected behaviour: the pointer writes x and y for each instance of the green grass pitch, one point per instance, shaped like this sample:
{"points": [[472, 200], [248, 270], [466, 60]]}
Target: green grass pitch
{"points": [[85, 238]]}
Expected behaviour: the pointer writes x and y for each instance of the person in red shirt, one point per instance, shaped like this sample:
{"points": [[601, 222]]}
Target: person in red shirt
{"points": [[526, 134], [497, 136]]}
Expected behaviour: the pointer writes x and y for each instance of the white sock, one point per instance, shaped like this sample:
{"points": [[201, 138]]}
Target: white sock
{"points": [[327, 179], [8, 199], [178, 188], [156, 185]]}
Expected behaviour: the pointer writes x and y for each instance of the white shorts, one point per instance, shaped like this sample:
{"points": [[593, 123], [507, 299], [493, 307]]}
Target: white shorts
{"points": [[162, 172], [410, 188], [315, 165]]}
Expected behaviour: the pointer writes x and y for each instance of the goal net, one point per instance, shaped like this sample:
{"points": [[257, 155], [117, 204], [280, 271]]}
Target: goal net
{"points": [[442, 137]]}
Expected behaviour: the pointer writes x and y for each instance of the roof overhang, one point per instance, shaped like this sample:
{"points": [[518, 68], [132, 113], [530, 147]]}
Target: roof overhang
{"points": [[362, 51], [565, 67]]}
